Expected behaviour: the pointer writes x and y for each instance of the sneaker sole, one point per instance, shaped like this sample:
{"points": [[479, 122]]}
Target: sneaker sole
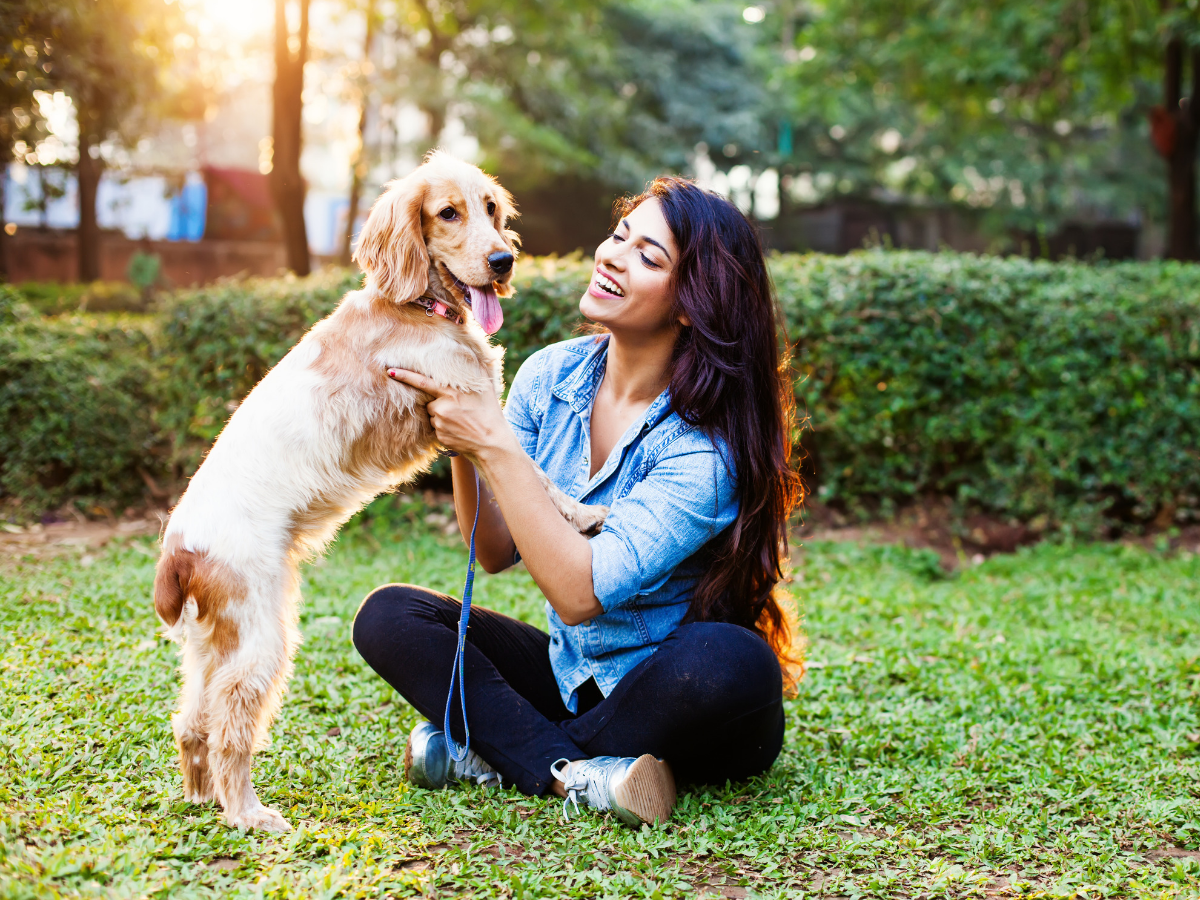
{"points": [[647, 790]]}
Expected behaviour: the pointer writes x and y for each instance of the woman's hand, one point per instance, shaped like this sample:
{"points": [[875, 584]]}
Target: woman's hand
{"points": [[523, 517], [469, 424]]}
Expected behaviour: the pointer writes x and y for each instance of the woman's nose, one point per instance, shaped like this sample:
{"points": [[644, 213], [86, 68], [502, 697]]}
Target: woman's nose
{"points": [[608, 254]]}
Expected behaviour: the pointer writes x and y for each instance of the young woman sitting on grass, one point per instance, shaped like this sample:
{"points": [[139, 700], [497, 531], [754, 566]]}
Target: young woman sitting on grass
{"points": [[667, 647]]}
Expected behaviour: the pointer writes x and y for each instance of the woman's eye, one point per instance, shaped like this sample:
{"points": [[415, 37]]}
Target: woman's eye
{"points": [[651, 263], [616, 238], [491, 209], [448, 213]]}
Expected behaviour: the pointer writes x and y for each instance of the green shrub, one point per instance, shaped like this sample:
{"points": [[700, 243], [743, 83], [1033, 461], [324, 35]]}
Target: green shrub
{"points": [[1058, 394], [75, 410], [51, 298], [1053, 393]]}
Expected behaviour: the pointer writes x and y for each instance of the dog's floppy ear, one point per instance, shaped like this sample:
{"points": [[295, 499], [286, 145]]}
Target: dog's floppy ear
{"points": [[506, 209], [391, 247]]}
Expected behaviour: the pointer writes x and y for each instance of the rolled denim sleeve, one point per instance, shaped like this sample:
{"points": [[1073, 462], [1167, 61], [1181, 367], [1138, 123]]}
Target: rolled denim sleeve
{"points": [[682, 503], [520, 405]]}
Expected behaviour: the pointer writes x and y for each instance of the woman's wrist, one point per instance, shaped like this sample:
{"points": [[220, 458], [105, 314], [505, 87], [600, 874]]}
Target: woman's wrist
{"points": [[497, 452]]}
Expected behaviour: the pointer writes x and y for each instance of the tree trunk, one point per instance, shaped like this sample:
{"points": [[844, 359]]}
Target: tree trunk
{"points": [[1180, 115], [287, 186], [359, 165], [89, 229]]}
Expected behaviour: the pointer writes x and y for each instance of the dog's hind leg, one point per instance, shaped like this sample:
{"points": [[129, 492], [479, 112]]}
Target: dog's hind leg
{"points": [[189, 725], [243, 697]]}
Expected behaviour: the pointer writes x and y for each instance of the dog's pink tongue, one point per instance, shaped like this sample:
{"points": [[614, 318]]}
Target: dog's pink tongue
{"points": [[486, 308]]}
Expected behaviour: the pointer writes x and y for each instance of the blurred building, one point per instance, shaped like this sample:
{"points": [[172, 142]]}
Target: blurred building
{"points": [[224, 213]]}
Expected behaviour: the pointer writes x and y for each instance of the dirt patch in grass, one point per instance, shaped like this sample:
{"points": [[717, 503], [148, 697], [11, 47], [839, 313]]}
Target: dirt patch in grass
{"points": [[1173, 853], [82, 534], [931, 524]]}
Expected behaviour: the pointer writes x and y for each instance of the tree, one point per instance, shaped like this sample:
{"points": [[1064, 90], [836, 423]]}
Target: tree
{"points": [[109, 58], [22, 72], [615, 90], [287, 184], [1174, 130], [1034, 112]]}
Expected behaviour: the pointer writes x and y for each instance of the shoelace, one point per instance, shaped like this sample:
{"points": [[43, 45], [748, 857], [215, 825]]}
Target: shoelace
{"points": [[585, 777], [475, 768]]}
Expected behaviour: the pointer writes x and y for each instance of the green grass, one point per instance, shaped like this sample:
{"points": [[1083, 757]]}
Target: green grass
{"points": [[1028, 726]]}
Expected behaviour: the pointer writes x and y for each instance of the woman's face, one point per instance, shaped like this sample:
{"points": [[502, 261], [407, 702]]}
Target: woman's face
{"points": [[630, 290]]}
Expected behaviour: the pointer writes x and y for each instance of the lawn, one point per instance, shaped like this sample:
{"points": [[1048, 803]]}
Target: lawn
{"points": [[1028, 726]]}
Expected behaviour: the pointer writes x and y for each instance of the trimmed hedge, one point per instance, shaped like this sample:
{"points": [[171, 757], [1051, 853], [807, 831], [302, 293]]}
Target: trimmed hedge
{"points": [[75, 409], [1062, 395], [1059, 394]]}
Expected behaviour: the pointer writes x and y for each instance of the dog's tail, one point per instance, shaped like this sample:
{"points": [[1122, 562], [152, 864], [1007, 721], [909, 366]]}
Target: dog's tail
{"points": [[187, 575], [172, 584]]}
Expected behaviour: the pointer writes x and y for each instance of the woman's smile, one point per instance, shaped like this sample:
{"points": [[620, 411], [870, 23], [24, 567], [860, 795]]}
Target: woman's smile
{"points": [[604, 286]]}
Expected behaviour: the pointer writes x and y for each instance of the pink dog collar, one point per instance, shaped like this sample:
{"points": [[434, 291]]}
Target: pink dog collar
{"points": [[432, 307]]}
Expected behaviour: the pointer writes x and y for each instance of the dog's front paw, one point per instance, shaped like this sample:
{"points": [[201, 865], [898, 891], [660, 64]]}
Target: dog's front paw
{"points": [[590, 519], [261, 817]]}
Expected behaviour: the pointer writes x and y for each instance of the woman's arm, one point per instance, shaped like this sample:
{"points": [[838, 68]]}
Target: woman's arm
{"points": [[557, 556]]}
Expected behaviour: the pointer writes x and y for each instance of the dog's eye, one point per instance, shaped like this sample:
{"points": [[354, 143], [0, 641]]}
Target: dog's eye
{"points": [[491, 208], [448, 213]]}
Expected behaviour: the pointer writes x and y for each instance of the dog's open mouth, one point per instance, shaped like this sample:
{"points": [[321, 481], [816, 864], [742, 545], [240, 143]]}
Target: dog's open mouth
{"points": [[483, 302]]}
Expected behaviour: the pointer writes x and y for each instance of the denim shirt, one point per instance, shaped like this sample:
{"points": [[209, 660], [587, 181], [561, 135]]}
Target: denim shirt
{"points": [[669, 491]]}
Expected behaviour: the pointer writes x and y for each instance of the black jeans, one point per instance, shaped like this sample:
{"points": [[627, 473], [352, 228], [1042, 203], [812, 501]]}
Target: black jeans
{"points": [[709, 700]]}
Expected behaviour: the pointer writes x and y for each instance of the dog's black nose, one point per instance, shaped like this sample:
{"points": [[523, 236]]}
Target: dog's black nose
{"points": [[500, 262]]}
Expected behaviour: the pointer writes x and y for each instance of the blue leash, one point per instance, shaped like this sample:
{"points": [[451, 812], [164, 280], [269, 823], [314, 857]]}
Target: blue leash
{"points": [[458, 752]]}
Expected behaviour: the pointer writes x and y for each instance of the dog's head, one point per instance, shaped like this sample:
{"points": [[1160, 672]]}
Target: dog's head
{"points": [[446, 220]]}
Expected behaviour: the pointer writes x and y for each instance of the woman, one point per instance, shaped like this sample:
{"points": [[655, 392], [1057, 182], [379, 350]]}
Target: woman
{"points": [[667, 647]]}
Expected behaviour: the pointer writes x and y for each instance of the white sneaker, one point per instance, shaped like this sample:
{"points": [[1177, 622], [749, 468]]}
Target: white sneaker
{"points": [[427, 761], [638, 790]]}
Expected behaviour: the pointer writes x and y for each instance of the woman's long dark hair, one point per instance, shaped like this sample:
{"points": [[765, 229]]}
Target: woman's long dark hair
{"points": [[730, 377]]}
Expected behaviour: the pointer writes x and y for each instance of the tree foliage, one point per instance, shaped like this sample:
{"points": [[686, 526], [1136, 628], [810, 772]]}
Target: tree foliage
{"points": [[112, 58], [614, 90], [1035, 111]]}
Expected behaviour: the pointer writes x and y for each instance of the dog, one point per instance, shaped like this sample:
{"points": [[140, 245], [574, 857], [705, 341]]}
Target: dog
{"points": [[321, 435]]}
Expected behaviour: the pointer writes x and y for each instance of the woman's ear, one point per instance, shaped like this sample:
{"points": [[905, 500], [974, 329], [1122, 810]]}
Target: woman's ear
{"points": [[391, 248]]}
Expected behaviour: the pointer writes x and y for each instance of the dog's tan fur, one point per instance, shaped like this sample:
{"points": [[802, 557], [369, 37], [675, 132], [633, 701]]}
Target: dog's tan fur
{"points": [[324, 432]]}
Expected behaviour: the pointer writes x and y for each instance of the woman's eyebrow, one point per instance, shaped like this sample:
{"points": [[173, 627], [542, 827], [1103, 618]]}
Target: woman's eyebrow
{"points": [[649, 240]]}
